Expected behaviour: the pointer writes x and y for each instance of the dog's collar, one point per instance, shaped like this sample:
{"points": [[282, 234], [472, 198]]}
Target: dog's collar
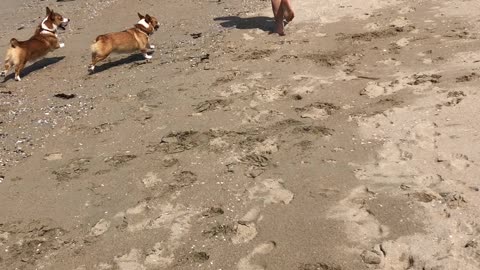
{"points": [[49, 31], [43, 27], [147, 34]]}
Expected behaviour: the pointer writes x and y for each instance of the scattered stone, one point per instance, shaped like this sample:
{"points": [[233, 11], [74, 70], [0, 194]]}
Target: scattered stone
{"points": [[196, 35], [64, 96], [100, 228], [53, 156], [471, 244]]}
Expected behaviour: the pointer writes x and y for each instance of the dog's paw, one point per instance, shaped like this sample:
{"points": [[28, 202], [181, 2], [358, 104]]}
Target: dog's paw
{"points": [[62, 45], [91, 69], [17, 78], [152, 47], [148, 57]]}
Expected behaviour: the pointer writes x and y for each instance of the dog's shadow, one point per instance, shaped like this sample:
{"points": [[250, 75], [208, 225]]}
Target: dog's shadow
{"points": [[259, 22], [123, 61], [45, 62]]}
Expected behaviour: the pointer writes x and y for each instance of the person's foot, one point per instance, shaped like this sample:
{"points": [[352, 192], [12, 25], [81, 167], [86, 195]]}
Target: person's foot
{"points": [[288, 15], [279, 28]]}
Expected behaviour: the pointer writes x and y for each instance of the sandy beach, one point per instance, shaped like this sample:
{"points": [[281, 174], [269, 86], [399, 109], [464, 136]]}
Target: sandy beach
{"points": [[351, 143]]}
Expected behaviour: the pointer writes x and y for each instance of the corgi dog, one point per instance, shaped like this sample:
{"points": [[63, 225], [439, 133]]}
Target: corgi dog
{"points": [[128, 41], [43, 41]]}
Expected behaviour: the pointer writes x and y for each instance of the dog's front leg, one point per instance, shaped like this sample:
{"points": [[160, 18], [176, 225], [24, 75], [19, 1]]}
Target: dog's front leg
{"points": [[145, 54], [149, 45], [59, 45]]}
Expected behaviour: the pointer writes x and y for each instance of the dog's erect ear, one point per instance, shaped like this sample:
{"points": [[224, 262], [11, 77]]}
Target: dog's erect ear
{"points": [[140, 15], [148, 18], [49, 11]]}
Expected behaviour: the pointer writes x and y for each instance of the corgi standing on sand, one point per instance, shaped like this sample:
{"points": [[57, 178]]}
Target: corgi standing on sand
{"points": [[44, 40], [128, 41]]}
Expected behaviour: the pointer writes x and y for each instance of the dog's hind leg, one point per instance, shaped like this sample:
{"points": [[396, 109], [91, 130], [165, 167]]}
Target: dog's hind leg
{"points": [[18, 70], [95, 59]]}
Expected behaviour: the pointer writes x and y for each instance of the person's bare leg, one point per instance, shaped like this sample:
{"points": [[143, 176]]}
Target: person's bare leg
{"points": [[278, 14], [287, 10]]}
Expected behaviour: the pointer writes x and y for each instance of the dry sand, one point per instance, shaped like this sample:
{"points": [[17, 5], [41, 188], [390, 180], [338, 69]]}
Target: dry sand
{"points": [[351, 143]]}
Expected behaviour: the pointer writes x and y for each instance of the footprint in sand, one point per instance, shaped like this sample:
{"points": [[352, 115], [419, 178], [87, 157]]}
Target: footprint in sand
{"points": [[151, 180], [263, 116], [417, 82], [251, 216], [244, 233], [371, 26], [245, 230], [130, 261], [390, 62], [428, 180], [251, 262], [422, 135], [238, 88], [456, 161], [400, 22], [159, 256], [271, 94], [406, 10], [308, 84], [103, 266], [403, 42], [175, 219], [270, 191], [317, 110], [361, 224], [247, 37]]}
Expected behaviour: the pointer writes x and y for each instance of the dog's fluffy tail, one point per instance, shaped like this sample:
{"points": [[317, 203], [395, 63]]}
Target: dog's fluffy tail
{"points": [[94, 47], [14, 43]]}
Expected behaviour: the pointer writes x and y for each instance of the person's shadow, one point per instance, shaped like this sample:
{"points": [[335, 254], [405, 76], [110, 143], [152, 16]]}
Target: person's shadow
{"points": [[45, 62], [259, 22]]}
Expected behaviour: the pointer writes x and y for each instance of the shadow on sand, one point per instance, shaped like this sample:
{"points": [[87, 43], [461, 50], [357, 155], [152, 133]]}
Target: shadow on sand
{"points": [[36, 66], [124, 61], [260, 22]]}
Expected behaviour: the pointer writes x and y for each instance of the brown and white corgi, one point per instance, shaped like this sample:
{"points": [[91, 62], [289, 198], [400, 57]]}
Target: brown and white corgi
{"points": [[43, 41], [128, 41]]}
